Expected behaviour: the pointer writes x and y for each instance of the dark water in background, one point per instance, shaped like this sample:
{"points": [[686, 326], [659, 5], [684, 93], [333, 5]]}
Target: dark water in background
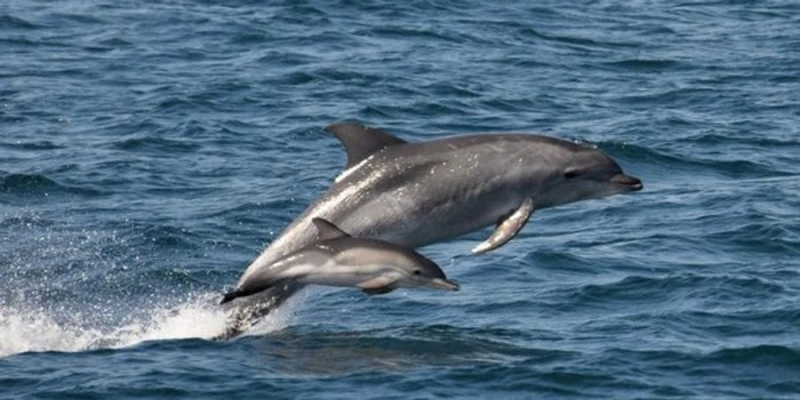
{"points": [[149, 151]]}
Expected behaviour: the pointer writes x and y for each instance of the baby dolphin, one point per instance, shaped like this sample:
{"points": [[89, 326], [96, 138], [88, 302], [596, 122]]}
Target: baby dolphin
{"points": [[338, 259]]}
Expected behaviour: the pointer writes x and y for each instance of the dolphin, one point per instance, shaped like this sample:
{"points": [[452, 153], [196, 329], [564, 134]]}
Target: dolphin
{"points": [[338, 259], [415, 194]]}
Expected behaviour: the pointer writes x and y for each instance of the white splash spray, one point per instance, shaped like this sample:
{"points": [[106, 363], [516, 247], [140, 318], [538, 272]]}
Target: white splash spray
{"points": [[28, 329], [45, 260]]}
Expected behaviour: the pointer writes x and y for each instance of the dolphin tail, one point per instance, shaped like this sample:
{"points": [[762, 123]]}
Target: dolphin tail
{"points": [[251, 309], [230, 296]]}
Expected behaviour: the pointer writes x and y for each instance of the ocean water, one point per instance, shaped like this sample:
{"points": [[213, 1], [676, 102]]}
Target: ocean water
{"points": [[150, 150]]}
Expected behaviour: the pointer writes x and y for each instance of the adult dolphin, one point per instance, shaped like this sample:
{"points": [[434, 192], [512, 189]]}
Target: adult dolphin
{"points": [[414, 194]]}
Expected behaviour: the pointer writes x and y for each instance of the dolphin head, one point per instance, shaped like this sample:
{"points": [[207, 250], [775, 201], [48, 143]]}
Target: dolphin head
{"points": [[585, 174], [422, 272], [384, 266]]}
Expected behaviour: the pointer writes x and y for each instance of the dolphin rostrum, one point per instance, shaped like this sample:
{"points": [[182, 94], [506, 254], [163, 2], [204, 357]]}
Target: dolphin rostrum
{"points": [[338, 259], [414, 194]]}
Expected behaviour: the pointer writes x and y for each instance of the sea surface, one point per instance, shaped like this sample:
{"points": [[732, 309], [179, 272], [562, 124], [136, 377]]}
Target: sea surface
{"points": [[149, 150]]}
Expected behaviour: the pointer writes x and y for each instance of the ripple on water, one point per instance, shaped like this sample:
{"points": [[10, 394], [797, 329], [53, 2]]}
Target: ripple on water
{"points": [[38, 185]]}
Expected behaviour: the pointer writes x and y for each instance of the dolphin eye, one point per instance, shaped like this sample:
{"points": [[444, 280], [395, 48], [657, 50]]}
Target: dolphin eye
{"points": [[417, 272], [571, 173]]}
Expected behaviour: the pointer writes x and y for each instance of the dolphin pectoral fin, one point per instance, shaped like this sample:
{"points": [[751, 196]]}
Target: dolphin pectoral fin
{"points": [[379, 285], [507, 228], [383, 290], [375, 283]]}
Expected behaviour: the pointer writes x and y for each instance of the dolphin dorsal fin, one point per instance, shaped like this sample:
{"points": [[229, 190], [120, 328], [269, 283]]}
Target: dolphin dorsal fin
{"points": [[361, 141], [327, 230]]}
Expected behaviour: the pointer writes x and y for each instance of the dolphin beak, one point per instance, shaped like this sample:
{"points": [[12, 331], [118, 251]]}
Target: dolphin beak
{"points": [[445, 284], [628, 182]]}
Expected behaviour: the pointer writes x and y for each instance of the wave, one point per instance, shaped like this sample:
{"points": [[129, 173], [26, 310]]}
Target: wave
{"points": [[574, 40], [644, 65], [297, 350], [27, 183], [400, 32], [636, 290], [151, 144], [36, 329], [11, 22], [733, 168], [769, 354], [37, 184], [33, 145]]}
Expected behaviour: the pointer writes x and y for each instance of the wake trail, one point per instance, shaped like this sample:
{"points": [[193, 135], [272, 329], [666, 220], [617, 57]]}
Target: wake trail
{"points": [[36, 329]]}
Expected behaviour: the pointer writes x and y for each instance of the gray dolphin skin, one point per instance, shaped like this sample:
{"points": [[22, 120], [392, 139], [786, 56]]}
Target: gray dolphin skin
{"points": [[338, 259], [415, 194]]}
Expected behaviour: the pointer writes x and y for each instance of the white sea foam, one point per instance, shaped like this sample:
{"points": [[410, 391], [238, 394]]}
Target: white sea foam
{"points": [[29, 329]]}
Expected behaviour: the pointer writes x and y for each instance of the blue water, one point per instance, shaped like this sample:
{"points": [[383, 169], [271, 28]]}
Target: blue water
{"points": [[150, 150]]}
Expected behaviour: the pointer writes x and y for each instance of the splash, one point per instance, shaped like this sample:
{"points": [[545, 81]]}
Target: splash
{"points": [[28, 329], [49, 266]]}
